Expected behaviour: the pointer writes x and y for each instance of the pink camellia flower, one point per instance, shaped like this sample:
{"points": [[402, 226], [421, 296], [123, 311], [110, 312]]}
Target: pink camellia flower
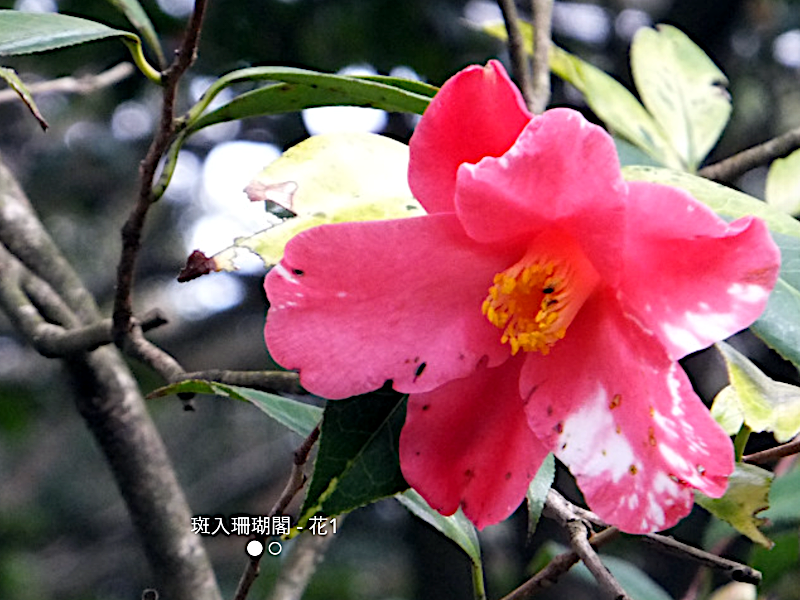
{"points": [[540, 306]]}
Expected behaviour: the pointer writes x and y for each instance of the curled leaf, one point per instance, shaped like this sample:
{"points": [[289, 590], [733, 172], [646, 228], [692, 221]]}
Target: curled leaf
{"points": [[746, 496], [330, 178]]}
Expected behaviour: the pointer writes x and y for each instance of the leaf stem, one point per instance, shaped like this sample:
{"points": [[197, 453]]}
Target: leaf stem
{"points": [[740, 441], [134, 45], [478, 584]]}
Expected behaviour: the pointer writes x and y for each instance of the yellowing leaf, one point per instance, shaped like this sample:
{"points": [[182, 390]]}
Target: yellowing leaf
{"points": [[753, 398], [747, 495], [330, 178], [783, 184], [682, 88]]}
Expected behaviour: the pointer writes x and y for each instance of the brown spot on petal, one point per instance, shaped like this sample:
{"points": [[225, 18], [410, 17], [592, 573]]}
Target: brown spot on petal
{"points": [[419, 370], [549, 410], [559, 428], [508, 476], [633, 470], [615, 401], [426, 406], [651, 436], [652, 412], [619, 430], [469, 474]]}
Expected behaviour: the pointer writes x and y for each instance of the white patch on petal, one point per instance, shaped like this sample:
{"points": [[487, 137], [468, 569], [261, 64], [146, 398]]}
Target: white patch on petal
{"points": [[286, 274], [593, 446], [750, 292], [680, 337], [712, 326], [341, 294]]}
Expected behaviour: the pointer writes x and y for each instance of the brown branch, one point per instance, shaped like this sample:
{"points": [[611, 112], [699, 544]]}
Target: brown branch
{"points": [[516, 47], [730, 168], [132, 229], [776, 453], [560, 564], [558, 509], [107, 397], [75, 85], [540, 71], [297, 479]]}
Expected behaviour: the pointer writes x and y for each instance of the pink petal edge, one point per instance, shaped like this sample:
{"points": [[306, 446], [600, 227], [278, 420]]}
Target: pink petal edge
{"points": [[478, 112], [467, 443]]}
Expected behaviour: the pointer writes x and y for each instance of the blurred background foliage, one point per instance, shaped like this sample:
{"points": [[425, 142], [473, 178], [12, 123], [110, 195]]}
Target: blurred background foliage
{"points": [[64, 533]]}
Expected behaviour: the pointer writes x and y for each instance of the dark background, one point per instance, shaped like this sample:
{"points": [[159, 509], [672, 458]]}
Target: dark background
{"points": [[64, 532]]}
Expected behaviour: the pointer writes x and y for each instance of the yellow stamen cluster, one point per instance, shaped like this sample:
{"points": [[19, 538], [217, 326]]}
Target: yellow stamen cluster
{"points": [[526, 302]]}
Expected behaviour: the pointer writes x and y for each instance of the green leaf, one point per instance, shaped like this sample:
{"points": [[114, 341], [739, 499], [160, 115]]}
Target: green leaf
{"points": [[762, 403], [15, 83], [537, 491], [783, 184], [137, 17], [747, 495], [617, 107], [299, 417], [26, 33], [778, 325], [297, 89], [330, 178], [784, 510], [357, 462], [456, 527], [682, 88]]}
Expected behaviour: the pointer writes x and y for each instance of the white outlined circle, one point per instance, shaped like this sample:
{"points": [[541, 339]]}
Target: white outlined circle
{"points": [[255, 548], [274, 548]]}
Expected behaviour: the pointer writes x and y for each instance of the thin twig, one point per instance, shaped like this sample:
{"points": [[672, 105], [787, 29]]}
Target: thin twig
{"points": [[772, 454], [729, 169], [284, 382], [562, 511], [540, 72], [132, 230], [516, 47], [560, 564], [297, 479], [75, 85], [736, 571]]}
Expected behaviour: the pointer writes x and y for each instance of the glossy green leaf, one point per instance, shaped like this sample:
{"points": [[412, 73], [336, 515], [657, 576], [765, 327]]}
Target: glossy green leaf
{"points": [[15, 83], [296, 89], [682, 88], [783, 184], [537, 491], [456, 527], [357, 462], [746, 496], [616, 106], [753, 398], [137, 17], [26, 33], [778, 325], [299, 417], [330, 178]]}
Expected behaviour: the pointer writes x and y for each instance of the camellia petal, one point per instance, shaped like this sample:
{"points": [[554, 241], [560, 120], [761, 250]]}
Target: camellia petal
{"points": [[538, 184], [540, 307], [476, 113], [689, 276], [629, 427], [356, 304], [467, 443]]}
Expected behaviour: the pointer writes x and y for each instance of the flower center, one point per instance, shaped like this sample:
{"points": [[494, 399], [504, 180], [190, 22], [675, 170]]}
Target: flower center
{"points": [[535, 300]]}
